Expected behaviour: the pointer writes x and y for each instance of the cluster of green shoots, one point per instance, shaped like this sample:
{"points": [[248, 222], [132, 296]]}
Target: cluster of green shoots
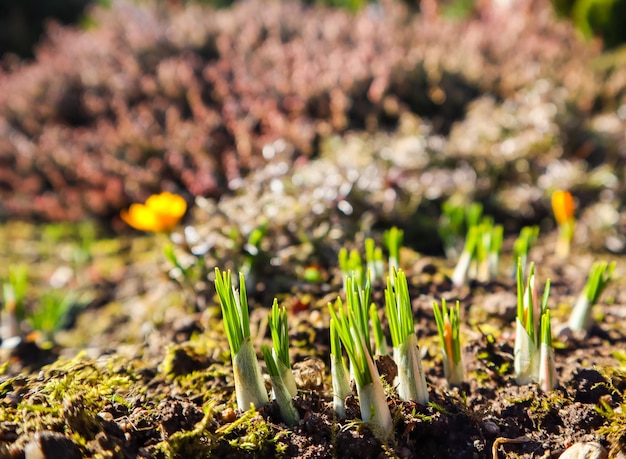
{"points": [[534, 355], [249, 386], [480, 256], [480, 253], [352, 325], [356, 331], [351, 262]]}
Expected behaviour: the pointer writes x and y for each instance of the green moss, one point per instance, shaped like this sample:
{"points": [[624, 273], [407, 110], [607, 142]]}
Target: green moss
{"points": [[252, 433], [66, 396]]}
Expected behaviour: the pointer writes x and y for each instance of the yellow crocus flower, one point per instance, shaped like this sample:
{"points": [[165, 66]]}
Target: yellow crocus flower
{"points": [[160, 213], [563, 208]]}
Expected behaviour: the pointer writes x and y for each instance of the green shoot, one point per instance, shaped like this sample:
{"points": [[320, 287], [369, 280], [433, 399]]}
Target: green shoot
{"points": [[353, 329], [411, 378], [249, 386], [279, 386], [339, 373], [486, 256], [547, 372], [480, 257], [599, 277], [374, 260], [521, 247], [467, 255], [252, 248], [495, 247], [528, 336], [279, 329], [393, 241], [448, 325], [473, 214], [380, 341], [351, 264], [451, 227]]}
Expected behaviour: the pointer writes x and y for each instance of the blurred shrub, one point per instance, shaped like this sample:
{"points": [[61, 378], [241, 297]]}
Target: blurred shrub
{"points": [[185, 99]]}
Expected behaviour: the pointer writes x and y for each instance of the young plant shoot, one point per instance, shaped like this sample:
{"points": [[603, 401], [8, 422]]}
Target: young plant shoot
{"points": [[493, 252], [374, 260], [451, 227], [380, 341], [528, 332], [339, 373], [279, 388], [448, 325], [599, 277], [467, 255], [249, 386], [352, 326], [521, 247], [279, 330], [393, 241], [351, 264], [547, 371], [411, 379]]}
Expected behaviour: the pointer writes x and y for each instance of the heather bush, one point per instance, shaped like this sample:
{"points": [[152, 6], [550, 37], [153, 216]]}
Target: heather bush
{"points": [[158, 97]]}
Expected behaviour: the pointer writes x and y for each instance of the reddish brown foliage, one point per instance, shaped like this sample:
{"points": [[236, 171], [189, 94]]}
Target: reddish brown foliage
{"points": [[185, 99]]}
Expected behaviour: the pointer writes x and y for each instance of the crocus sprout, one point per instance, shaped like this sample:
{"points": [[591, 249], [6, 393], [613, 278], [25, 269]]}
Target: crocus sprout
{"points": [[521, 247], [547, 372], [252, 249], [487, 253], [451, 227], [467, 255], [599, 277], [380, 341], [352, 327], [160, 213], [393, 241], [279, 330], [411, 378], [495, 247], [563, 208], [339, 373], [448, 325], [279, 388], [374, 260], [249, 386], [528, 331], [351, 264]]}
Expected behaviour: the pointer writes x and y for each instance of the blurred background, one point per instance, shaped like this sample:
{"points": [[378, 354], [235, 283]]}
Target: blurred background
{"points": [[23, 21]]}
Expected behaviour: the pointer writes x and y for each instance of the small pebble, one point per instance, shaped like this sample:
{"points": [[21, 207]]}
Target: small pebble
{"points": [[491, 428], [591, 450]]}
